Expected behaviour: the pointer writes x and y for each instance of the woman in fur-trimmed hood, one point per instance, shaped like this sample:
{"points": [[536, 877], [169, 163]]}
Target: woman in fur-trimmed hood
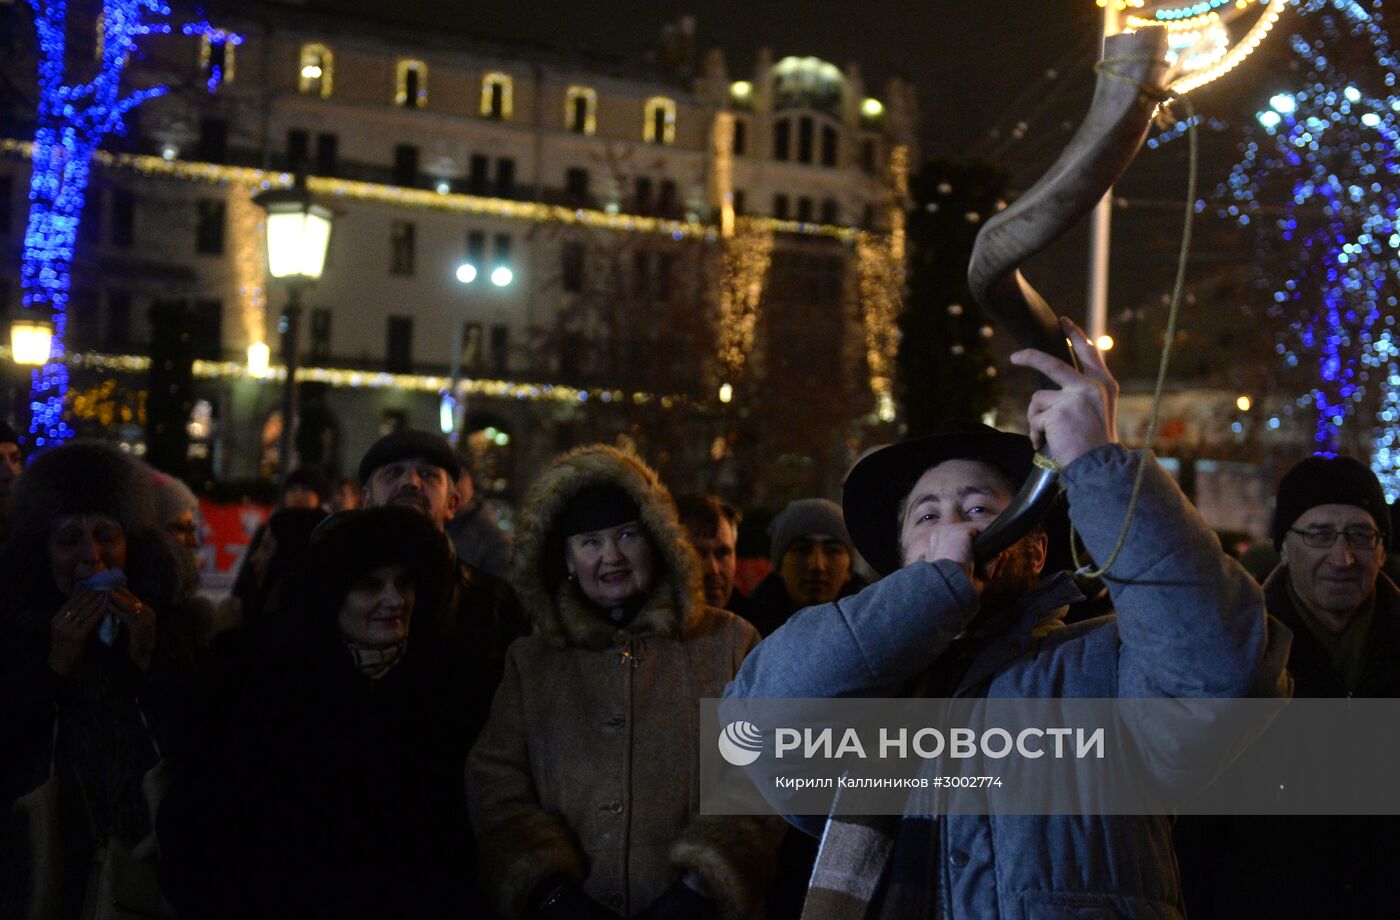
{"points": [[583, 785], [96, 653]]}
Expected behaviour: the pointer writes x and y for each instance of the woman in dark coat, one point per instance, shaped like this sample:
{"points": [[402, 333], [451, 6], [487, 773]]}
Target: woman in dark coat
{"points": [[341, 794], [96, 646]]}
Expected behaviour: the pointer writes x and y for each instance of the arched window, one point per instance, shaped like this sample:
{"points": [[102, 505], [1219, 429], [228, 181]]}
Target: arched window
{"points": [[216, 48], [317, 67], [660, 124], [495, 95], [580, 110], [411, 87]]}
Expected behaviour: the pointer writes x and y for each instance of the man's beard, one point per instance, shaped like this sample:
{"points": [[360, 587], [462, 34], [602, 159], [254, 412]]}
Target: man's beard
{"points": [[1016, 576]]}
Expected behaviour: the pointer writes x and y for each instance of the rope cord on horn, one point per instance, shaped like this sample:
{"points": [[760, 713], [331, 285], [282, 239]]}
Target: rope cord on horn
{"points": [[1081, 568]]}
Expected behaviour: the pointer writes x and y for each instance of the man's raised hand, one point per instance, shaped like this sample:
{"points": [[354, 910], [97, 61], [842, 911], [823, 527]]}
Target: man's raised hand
{"points": [[1081, 415]]}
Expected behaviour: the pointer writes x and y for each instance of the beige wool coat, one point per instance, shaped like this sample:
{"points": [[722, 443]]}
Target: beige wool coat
{"points": [[588, 765]]}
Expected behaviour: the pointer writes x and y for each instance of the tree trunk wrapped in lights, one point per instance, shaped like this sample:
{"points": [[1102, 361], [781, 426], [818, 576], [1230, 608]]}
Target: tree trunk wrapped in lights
{"points": [[73, 119]]}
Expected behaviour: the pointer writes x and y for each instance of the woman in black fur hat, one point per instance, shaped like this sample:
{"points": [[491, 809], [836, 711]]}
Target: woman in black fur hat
{"points": [[95, 647], [341, 794]]}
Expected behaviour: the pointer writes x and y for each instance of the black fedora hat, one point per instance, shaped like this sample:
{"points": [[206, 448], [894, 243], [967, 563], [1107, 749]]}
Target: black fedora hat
{"points": [[880, 480]]}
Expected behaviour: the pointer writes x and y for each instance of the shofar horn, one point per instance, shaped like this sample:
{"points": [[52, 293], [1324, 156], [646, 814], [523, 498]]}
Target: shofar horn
{"points": [[1096, 157]]}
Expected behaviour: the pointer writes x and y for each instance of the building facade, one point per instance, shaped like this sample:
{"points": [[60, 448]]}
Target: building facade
{"points": [[704, 263]]}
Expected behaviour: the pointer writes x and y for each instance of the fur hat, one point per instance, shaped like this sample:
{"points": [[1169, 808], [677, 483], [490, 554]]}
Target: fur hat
{"points": [[83, 477], [1317, 481], [349, 544]]}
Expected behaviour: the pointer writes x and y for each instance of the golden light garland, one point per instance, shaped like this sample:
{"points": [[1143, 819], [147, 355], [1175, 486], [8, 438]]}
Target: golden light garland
{"points": [[249, 262], [723, 192], [1267, 20], [880, 261], [354, 379], [747, 255], [424, 199]]}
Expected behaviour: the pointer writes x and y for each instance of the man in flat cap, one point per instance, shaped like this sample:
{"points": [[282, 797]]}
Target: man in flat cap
{"points": [[419, 470], [1190, 623]]}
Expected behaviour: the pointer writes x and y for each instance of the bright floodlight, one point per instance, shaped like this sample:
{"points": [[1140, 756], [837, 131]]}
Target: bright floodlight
{"points": [[259, 356], [502, 276], [31, 341], [466, 273]]}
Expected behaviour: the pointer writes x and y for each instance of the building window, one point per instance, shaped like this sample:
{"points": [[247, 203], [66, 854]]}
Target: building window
{"points": [[7, 192], [402, 235], [123, 218], [741, 137], [477, 171], [573, 265], [505, 177], [576, 185], [804, 209], [641, 199], [405, 165], [216, 59], [496, 95], [581, 110], [804, 139], [476, 249], [782, 139], [116, 331], [780, 207], [668, 202], [398, 357], [212, 143], [327, 146], [739, 201], [830, 213], [320, 334], [298, 146], [502, 250], [500, 349], [411, 84], [210, 216], [868, 157], [206, 329], [472, 347], [314, 77], [660, 124], [828, 145], [665, 275]]}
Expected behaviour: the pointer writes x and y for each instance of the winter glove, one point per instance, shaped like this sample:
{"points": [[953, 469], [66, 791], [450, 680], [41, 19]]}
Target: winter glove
{"points": [[567, 901], [679, 902]]}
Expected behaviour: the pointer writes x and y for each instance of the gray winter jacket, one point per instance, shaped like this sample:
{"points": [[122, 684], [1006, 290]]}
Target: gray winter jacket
{"points": [[1190, 623]]}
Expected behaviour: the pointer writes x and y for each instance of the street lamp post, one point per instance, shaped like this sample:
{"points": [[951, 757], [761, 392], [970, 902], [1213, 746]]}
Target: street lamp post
{"points": [[452, 411], [298, 235]]}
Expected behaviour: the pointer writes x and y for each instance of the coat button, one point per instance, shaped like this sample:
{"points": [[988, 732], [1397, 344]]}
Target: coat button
{"points": [[958, 858], [616, 721], [612, 808]]}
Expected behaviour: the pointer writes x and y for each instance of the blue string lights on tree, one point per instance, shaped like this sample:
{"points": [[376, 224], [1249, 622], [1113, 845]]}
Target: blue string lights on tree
{"points": [[216, 53], [73, 119], [1320, 184]]}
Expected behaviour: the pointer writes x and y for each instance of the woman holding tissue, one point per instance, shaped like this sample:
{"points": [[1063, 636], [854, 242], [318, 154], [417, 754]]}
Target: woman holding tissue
{"points": [[94, 646]]}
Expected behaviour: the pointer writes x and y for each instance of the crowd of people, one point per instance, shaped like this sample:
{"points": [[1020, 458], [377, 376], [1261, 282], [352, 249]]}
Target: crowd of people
{"points": [[401, 712]]}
